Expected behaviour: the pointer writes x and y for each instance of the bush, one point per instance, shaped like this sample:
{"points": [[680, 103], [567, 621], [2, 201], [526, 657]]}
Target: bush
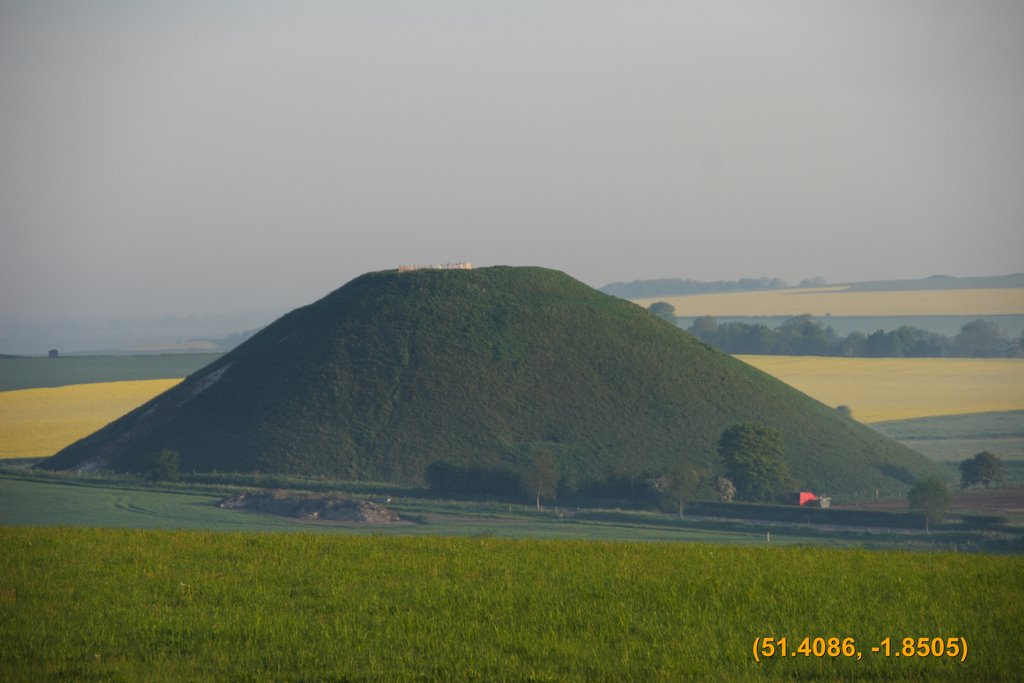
{"points": [[451, 478], [931, 497], [163, 466]]}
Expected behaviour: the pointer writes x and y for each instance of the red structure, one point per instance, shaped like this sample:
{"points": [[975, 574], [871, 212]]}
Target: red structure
{"points": [[803, 498]]}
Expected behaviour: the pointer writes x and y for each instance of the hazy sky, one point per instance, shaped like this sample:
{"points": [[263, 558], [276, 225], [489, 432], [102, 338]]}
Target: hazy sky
{"points": [[199, 157]]}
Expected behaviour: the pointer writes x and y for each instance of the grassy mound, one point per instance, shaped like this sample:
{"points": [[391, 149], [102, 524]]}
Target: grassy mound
{"points": [[483, 368]]}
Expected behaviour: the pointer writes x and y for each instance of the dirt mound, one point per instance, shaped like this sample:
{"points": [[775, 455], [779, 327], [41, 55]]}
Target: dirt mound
{"points": [[311, 506]]}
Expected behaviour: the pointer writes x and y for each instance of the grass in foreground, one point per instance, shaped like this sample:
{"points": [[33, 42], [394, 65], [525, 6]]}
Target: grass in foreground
{"points": [[80, 604], [879, 389], [39, 422]]}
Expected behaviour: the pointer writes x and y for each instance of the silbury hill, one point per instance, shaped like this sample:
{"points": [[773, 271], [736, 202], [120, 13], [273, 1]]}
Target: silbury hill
{"points": [[482, 368]]}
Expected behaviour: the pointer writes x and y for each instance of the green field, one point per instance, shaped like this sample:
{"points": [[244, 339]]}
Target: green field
{"points": [[950, 439], [129, 605], [958, 437], [32, 373], [50, 503], [117, 501]]}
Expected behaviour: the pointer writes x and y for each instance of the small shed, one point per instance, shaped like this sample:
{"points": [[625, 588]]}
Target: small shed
{"points": [[802, 498], [808, 499]]}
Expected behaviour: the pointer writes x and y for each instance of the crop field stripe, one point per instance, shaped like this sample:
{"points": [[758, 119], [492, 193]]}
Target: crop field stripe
{"points": [[833, 301], [39, 422], [142, 605], [879, 389]]}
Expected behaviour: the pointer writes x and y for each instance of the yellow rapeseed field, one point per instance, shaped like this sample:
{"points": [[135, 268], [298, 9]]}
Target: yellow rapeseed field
{"points": [[878, 389], [37, 422], [834, 301]]}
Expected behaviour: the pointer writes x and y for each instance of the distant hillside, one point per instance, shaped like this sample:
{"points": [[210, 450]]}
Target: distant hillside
{"points": [[639, 289], [645, 289], [488, 367], [35, 336], [941, 282]]}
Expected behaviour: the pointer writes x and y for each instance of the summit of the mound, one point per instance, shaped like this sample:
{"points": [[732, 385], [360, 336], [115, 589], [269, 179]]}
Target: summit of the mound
{"points": [[484, 367]]}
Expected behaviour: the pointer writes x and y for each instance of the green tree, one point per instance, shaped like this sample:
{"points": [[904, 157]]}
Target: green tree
{"points": [[752, 455], [882, 344], [930, 497], [541, 477], [663, 310], [844, 410], [704, 326], [680, 485], [853, 345], [803, 336], [631, 460], [163, 466], [983, 468], [978, 339]]}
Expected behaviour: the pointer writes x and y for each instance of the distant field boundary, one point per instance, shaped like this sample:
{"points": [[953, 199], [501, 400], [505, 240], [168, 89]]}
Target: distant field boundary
{"points": [[843, 325], [830, 301], [638, 289], [937, 282]]}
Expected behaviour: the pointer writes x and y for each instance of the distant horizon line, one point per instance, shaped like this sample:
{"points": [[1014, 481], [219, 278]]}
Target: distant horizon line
{"points": [[128, 318]]}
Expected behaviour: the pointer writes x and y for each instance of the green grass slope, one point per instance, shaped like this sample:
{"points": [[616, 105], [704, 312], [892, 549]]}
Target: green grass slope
{"points": [[486, 367]]}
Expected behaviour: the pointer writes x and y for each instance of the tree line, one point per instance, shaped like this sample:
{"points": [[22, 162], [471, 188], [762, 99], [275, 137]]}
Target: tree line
{"points": [[804, 336], [750, 466], [932, 497]]}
